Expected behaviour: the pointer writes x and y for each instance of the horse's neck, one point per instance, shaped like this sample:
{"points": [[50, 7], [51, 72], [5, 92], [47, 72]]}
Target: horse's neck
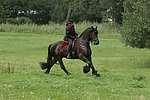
{"points": [[84, 36], [84, 42]]}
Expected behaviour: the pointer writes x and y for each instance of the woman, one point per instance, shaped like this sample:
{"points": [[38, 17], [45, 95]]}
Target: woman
{"points": [[70, 35]]}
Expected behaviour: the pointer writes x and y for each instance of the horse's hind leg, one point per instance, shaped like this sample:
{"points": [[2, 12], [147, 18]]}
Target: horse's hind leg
{"points": [[52, 62], [48, 70], [63, 67]]}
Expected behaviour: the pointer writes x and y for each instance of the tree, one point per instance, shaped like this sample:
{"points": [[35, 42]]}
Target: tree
{"points": [[2, 15], [94, 12], [136, 23], [113, 9], [44, 11], [59, 11], [15, 8], [87, 10], [40, 11]]}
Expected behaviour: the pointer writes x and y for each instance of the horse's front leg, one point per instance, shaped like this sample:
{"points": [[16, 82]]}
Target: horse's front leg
{"points": [[94, 72], [63, 67], [89, 62]]}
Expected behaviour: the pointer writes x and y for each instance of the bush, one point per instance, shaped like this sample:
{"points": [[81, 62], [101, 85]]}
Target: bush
{"points": [[18, 21], [53, 28], [136, 23]]}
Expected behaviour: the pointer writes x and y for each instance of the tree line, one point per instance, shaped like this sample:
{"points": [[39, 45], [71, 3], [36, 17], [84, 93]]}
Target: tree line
{"points": [[132, 15], [45, 11]]}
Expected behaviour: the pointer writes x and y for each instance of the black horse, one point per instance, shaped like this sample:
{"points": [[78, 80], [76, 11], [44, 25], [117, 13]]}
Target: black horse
{"points": [[81, 50]]}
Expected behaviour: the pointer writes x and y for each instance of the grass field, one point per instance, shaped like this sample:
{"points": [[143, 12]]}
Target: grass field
{"points": [[124, 71]]}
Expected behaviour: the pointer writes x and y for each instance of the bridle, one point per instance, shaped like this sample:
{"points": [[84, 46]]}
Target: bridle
{"points": [[92, 39], [91, 36]]}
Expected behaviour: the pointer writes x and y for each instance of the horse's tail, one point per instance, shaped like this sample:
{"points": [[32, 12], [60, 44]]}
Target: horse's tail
{"points": [[49, 59]]}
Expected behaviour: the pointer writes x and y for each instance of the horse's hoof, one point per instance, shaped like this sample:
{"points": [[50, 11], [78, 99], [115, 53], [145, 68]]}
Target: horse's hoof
{"points": [[68, 73], [46, 72], [86, 69], [95, 73], [98, 75]]}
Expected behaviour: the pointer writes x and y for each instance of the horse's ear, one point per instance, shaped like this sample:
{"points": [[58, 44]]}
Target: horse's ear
{"points": [[92, 27]]}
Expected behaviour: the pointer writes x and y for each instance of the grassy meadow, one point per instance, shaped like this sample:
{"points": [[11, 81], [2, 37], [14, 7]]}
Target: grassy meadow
{"points": [[124, 70]]}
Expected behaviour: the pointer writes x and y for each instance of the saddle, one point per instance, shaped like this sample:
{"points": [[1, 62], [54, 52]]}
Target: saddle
{"points": [[65, 45]]}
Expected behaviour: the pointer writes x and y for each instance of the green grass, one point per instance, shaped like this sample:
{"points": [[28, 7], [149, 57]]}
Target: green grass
{"points": [[124, 71]]}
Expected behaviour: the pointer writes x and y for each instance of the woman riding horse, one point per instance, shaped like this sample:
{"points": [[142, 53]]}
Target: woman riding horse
{"points": [[82, 51], [70, 35]]}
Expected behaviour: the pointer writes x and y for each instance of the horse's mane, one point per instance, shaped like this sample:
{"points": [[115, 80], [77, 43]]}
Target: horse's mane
{"points": [[86, 31]]}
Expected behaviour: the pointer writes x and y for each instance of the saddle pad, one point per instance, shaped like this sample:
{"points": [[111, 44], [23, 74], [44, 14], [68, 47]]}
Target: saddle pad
{"points": [[63, 45]]}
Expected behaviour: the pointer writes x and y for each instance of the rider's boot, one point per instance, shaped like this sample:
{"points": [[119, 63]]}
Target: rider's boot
{"points": [[69, 49], [69, 55]]}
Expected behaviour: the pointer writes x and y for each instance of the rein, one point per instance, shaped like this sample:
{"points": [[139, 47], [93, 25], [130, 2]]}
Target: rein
{"points": [[88, 35], [86, 41]]}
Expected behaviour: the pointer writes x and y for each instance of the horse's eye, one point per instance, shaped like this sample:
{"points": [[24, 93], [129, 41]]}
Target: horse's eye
{"points": [[96, 32]]}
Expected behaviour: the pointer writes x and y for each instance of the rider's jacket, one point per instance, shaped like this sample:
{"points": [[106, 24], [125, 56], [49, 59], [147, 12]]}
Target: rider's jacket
{"points": [[70, 31]]}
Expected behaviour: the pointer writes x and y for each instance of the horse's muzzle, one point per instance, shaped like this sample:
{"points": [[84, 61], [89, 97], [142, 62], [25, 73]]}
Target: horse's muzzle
{"points": [[96, 42]]}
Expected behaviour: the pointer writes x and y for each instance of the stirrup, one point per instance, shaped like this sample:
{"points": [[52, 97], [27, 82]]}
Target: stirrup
{"points": [[69, 55]]}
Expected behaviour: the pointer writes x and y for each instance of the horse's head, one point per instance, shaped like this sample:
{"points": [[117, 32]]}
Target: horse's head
{"points": [[90, 34], [94, 36]]}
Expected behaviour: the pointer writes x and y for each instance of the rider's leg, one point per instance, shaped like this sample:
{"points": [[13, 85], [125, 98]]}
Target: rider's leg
{"points": [[70, 48]]}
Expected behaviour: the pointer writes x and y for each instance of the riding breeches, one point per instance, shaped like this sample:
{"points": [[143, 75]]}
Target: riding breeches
{"points": [[70, 44]]}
